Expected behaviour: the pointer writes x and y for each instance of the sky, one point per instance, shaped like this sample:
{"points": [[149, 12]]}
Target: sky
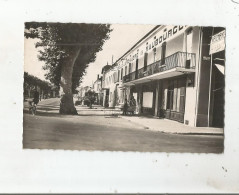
{"points": [[122, 38]]}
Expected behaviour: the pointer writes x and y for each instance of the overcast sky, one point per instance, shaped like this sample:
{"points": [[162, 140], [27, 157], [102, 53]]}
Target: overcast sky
{"points": [[122, 38]]}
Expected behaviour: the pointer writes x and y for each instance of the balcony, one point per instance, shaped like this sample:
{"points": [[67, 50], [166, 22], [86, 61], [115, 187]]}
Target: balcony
{"points": [[176, 64]]}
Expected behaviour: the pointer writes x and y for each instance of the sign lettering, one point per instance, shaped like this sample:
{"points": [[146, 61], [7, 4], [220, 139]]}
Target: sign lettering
{"points": [[217, 42]]}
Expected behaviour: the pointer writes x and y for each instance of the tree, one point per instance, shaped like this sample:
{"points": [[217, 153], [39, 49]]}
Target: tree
{"points": [[91, 96], [67, 49], [31, 82]]}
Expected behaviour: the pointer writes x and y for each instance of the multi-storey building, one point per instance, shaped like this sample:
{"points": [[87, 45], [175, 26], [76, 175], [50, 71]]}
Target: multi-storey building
{"points": [[105, 83], [173, 72], [112, 84], [98, 90]]}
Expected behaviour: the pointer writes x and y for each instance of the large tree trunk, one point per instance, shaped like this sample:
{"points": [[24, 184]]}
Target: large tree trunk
{"points": [[67, 104]]}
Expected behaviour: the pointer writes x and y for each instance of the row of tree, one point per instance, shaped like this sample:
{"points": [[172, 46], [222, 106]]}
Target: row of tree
{"points": [[66, 50], [31, 82]]}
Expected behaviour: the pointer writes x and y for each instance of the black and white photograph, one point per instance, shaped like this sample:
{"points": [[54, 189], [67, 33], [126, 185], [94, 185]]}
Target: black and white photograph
{"points": [[115, 87], [119, 97]]}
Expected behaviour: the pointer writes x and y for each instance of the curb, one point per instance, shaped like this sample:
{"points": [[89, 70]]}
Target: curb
{"points": [[191, 133], [177, 133]]}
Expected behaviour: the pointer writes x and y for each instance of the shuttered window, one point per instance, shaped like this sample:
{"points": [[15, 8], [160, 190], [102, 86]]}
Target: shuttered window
{"points": [[145, 61], [163, 53]]}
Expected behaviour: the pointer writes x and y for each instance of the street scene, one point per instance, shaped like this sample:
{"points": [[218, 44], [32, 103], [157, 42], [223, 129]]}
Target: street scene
{"points": [[97, 87], [100, 129]]}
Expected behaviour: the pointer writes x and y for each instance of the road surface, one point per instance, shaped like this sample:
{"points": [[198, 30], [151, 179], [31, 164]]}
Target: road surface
{"points": [[94, 130]]}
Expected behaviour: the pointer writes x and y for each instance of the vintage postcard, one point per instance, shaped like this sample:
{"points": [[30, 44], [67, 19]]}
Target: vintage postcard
{"points": [[119, 96], [115, 87]]}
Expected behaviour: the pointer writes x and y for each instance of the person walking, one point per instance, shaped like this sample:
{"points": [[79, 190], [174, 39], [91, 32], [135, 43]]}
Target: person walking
{"points": [[125, 108], [36, 97], [132, 101]]}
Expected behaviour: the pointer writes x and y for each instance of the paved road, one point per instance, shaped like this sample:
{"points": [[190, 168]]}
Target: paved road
{"points": [[49, 130]]}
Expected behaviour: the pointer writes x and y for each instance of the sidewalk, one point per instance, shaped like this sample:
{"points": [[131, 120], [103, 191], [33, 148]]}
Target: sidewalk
{"points": [[174, 127], [149, 123]]}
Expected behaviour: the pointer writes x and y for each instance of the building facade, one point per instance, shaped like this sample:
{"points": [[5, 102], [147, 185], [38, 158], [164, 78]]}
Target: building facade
{"points": [[173, 72], [97, 88]]}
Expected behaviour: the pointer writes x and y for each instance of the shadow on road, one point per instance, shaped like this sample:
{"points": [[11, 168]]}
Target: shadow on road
{"points": [[53, 111], [40, 113]]}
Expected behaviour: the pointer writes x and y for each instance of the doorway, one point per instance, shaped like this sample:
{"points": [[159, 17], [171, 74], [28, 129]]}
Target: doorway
{"points": [[175, 103]]}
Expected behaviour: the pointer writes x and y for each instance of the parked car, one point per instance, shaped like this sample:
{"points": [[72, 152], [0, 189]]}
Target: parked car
{"points": [[78, 102]]}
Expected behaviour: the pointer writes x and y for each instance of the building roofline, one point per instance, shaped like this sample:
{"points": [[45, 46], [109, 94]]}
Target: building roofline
{"points": [[114, 64], [157, 26]]}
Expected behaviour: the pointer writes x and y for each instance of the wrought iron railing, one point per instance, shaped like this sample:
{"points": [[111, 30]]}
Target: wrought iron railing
{"points": [[178, 59]]}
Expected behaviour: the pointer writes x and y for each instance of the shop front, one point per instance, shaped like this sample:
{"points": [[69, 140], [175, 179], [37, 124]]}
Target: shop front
{"points": [[144, 94], [174, 95], [162, 98]]}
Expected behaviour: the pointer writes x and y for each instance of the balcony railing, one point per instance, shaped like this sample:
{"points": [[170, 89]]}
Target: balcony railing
{"points": [[179, 59]]}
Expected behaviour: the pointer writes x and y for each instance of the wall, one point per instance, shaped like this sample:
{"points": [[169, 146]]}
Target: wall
{"points": [[190, 104], [203, 93], [112, 100], [165, 91], [191, 91], [174, 44]]}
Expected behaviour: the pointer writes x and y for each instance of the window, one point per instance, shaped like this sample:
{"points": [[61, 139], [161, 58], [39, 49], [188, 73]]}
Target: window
{"points": [[125, 70], [129, 67], [163, 53], [121, 74], [118, 75], [145, 61], [154, 54], [147, 99], [136, 69], [170, 95]]}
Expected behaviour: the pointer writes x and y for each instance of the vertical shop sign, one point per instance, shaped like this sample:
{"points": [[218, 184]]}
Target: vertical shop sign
{"points": [[218, 42]]}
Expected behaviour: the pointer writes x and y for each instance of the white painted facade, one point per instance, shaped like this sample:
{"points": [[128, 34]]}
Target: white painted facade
{"points": [[167, 73]]}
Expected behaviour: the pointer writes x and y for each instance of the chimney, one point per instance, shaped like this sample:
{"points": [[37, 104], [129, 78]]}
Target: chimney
{"points": [[98, 76]]}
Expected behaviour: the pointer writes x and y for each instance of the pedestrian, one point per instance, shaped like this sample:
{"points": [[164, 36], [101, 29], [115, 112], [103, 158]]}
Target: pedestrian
{"points": [[125, 108], [132, 101], [36, 97]]}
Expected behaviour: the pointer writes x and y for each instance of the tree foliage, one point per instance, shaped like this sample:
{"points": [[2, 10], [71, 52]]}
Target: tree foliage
{"points": [[57, 41], [91, 96], [31, 82]]}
